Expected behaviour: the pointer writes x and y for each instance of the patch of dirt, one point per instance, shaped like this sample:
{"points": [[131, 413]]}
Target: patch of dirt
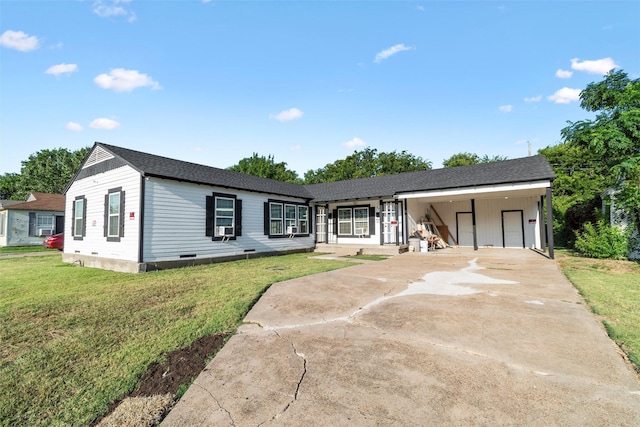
{"points": [[607, 265], [182, 367]]}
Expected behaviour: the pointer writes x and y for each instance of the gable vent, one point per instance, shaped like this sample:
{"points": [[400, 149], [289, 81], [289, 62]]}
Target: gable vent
{"points": [[98, 155]]}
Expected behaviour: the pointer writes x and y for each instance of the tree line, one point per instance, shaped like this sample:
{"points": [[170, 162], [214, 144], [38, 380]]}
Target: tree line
{"points": [[593, 155]]}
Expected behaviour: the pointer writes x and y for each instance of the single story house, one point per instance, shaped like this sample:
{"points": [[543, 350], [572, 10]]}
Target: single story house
{"points": [[134, 211], [29, 222]]}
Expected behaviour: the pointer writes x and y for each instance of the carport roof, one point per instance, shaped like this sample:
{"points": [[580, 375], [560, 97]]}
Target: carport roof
{"points": [[526, 169]]}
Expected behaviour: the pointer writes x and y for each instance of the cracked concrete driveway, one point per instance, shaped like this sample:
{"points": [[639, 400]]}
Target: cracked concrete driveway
{"points": [[457, 337]]}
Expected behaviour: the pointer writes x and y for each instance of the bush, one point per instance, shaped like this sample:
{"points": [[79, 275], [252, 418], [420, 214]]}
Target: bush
{"points": [[602, 241]]}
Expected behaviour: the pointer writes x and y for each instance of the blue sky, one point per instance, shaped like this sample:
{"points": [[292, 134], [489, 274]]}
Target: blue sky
{"points": [[308, 82]]}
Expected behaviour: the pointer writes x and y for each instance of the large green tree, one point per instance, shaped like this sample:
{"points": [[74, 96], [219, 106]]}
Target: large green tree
{"points": [[581, 176], [46, 171], [365, 164], [266, 167], [465, 159], [613, 135]]}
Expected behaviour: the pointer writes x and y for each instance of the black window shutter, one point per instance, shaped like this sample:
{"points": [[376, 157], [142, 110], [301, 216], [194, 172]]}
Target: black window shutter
{"points": [[238, 219], [372, 221], [84, 216], [121, 214], [335, 222], [209, 216], [73, 218], [266, 218], [106, 214]]}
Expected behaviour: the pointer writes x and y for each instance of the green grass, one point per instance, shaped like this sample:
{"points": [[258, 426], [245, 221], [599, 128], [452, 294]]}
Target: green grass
{"points": [[612, 290], [369, 257], [22, 249], [74, 339]]}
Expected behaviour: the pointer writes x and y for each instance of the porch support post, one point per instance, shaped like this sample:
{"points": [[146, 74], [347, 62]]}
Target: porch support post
{"points": [[326, 223], [381, 217], [397, 219], [405, 222], [549, 223], [543, 231], [473, 222]]}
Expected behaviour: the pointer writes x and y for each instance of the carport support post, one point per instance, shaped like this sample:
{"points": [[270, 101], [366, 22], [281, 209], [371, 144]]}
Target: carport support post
{"points": [[549, 223], [543, 230], [473, 222]]}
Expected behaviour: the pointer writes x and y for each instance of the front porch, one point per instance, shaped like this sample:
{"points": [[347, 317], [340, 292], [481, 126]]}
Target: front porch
{"points": [[351, 249]]}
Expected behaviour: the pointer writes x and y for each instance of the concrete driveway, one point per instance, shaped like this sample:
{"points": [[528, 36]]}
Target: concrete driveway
{"points": [[456, 337]]}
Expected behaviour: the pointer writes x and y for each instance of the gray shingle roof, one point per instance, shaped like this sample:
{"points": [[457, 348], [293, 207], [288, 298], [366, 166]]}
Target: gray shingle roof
{"points": [[526, 169], [163, 167], [520, 170]]}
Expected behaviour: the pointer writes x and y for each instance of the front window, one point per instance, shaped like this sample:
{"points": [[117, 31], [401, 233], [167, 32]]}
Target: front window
{"points": [[275, 213], [114, 215], [361, 220], [344, 221], [44, 224], [284, 219], [78, 218], [225, 213]]}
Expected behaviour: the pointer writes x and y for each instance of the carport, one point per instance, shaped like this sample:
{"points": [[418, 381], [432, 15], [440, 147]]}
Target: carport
{"points": [[510, 215]]}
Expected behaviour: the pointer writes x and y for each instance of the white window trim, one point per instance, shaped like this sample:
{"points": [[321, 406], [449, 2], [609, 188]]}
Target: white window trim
{"points": [[217, 228]]}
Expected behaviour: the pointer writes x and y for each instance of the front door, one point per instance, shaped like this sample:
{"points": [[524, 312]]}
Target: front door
{"points": [[512, 229], [464, 228], [321, 224], [391, 225], [59, 224]]}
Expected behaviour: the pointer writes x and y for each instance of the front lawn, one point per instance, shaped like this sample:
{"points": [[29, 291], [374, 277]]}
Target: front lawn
{"points": [[74, 339], [612, 290], [23, 249]]}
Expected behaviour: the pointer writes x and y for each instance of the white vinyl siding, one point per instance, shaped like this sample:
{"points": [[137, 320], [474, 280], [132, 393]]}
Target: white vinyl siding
{"points": [[175, 222], [94, 189]]}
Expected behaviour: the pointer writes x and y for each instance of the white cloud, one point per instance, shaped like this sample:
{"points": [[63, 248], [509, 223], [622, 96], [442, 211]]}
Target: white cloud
{"points": [[565, 95], [19, 40], [533, 99], [74, 127], [597, 66], [122, 80], [103, 123], [390, 51], [287, 115], [505, 108], [56, 70], [564, 74], [355, 142], [111, 8]]}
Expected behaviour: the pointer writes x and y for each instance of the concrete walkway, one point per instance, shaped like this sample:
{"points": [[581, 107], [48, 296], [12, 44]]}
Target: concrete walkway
{"points": [[456, 337]]}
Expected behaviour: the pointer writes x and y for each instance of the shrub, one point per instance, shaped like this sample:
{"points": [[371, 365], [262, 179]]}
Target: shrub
{"points": [[602, 241]]}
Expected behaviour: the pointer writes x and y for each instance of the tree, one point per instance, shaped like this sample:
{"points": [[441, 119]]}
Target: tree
{"points": [[613, 135], [46, 171], [266, 167], [581, 177], [465, 159], [365, 164], [9, 186]]}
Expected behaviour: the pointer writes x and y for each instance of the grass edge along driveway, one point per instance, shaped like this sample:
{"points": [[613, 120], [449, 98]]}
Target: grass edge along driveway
{"points": [[612, 291], [74, 339]]}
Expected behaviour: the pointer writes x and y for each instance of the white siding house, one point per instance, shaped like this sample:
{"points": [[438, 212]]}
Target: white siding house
{"points": [[133, 211]]}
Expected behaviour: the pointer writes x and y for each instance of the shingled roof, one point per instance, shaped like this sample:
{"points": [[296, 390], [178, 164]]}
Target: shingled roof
{"points": [[163, 167], [41, 202], [526, 169]]}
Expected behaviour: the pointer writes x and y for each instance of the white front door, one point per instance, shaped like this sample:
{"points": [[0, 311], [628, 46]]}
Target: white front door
{"points": [[390, 223], [512, 229], [464, 228]]}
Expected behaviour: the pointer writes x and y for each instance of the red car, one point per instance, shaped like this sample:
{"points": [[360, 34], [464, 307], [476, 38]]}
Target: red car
{"points": [[55, 242]]}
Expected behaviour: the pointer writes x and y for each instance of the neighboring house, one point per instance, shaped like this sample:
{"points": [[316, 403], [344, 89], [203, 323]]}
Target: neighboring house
{"points": [[617, 217], [133, 211], [29, 222]]}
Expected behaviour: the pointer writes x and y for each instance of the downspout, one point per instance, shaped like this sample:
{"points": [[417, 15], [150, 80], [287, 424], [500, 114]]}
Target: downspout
{"points": [[550, 223], [141, 221], [473, 222]]}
